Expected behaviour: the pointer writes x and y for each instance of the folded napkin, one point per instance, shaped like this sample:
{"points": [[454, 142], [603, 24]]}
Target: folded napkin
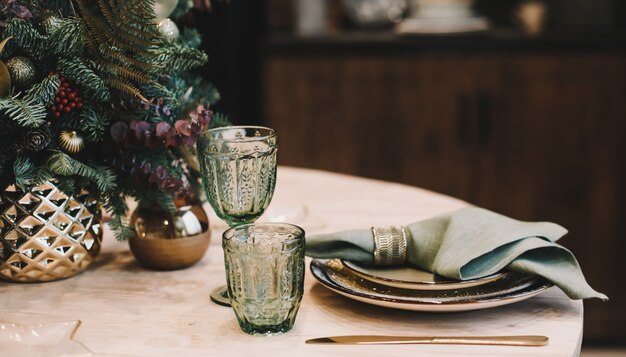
{"points": [[468, 244]]}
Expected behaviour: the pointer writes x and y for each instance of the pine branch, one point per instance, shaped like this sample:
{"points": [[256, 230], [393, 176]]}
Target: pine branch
{"points": [[177, 58], [61, 164], [116, 206], [85, 77], [44, 92], [67, 39], [27, 112], [26, 37], [93, 123], [24, 172]]}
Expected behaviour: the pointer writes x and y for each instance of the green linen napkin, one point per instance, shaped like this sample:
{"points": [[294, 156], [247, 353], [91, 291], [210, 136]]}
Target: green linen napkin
{"points": [[471, 243]]}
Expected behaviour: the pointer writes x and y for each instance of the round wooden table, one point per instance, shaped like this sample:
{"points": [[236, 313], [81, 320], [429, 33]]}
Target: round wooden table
{"points": [[126, 310]]}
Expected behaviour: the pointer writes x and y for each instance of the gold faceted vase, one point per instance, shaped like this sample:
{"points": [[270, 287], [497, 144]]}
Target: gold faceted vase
{"points": [[47, 235]]}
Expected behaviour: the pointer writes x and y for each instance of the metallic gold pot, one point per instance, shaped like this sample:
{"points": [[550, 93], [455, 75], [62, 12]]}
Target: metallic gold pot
{"points": [[47, 235], [170, 241]]}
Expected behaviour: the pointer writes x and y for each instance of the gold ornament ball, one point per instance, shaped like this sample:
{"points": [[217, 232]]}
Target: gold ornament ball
{"points": [[71, 142], [22, 71]]}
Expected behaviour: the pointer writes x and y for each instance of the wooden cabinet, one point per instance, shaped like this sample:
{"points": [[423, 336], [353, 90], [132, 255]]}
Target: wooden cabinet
{"points": [[536, 135]]}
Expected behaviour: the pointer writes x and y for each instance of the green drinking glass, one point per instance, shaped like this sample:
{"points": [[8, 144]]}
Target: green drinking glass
{"points": [[238, 165], [265, 275]]}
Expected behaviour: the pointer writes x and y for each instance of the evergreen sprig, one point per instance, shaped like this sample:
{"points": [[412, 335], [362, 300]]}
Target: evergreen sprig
{"points": [[85, 78], [93, 123], [66, 40], [122, 42], [26, 37], [44, 92], [62, 164], [27, 112], [116, 206]]}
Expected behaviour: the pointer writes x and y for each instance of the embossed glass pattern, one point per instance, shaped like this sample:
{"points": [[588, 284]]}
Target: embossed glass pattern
{"points": [[239, 171], [265, 275]]}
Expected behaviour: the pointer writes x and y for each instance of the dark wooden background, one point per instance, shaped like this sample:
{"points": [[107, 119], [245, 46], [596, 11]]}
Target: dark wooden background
{"points": [[532, 128]]}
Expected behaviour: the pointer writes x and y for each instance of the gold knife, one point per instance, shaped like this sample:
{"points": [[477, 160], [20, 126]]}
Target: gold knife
{"points": [[445, 340]]}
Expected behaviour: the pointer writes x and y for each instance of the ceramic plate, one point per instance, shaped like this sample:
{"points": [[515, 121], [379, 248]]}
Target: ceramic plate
{"points": [[410, 278], [512, 288]]}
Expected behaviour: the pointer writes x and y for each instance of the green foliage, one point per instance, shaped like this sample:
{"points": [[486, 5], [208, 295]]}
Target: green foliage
{"points": [[66, 40], [25, 112], [26, 37], [85, 78], [93, 123], [114, 57], [28, 174], [179, 58], [43, 93], [219, 120], [121, 40], [157, 198], [116, 206], [61, 164], [190, 37], [24, 172]]}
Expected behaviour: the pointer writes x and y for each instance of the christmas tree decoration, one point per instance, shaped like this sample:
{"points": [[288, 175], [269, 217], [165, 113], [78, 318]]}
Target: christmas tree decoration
{"points": [[112, 115], [66, 99], [22, 71], [71, 142], [50, 22], [5, 76], [35, 140], [164, 8], [168, 29]]}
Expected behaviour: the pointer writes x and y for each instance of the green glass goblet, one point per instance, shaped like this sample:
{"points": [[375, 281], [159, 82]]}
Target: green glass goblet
{"points": [[238, 165]]}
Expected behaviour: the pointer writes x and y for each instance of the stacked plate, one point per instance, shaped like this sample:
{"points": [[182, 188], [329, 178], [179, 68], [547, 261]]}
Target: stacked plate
{"points": [[417, 290]]}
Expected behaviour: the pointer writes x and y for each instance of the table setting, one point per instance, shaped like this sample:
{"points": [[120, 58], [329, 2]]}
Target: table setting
{"points": [[453, 260], [126, 203], [147, 312]]}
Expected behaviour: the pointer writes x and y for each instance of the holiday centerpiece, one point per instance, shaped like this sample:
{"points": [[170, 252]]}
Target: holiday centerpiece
{"points": [[98, 103]]}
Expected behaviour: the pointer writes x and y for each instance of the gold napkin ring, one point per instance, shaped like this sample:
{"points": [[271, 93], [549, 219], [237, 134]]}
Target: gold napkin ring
{"points": [[389, 245]]}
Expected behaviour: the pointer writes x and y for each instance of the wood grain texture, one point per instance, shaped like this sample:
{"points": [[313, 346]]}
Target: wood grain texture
{"points": [[537, 136], [130, 311]]}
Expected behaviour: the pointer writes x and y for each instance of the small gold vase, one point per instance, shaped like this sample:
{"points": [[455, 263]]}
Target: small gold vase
{"points": [[170, 241], [47, 235]]}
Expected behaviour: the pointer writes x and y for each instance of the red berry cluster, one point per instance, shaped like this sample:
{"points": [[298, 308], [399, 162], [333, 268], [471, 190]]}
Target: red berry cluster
{"points": [[66, 99]]}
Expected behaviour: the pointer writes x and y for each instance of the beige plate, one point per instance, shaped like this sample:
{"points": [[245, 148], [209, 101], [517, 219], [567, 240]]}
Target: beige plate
{"points": [[410, 278], [512, 288]]}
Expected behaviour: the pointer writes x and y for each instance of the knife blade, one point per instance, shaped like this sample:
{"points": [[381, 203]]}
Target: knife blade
{"points": [[528, 340]]}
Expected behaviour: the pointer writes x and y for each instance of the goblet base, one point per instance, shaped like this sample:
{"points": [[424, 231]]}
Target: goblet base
{"points": [[220, 296]]}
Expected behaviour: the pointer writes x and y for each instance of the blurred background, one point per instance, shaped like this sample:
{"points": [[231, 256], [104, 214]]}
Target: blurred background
{"points": [[516, 106]]}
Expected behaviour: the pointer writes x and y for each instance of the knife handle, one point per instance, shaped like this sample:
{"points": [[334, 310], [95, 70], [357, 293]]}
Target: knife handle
{"points": [[528, 340]]}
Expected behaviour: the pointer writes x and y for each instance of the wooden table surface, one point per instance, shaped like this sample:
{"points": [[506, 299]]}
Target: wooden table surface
{"points": [[126, 310]]}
